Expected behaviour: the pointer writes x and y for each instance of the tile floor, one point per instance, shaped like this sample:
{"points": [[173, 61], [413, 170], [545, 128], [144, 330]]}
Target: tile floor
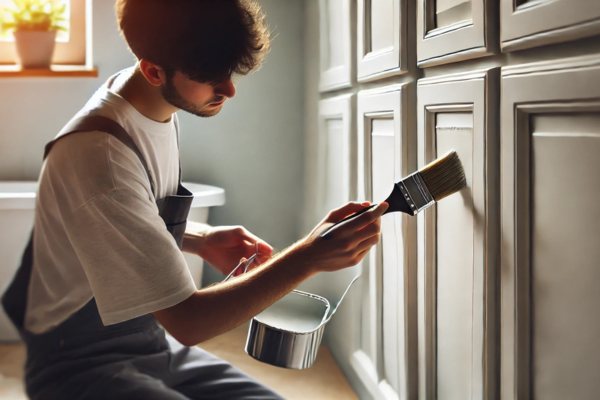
{"points": [[323, 381]]}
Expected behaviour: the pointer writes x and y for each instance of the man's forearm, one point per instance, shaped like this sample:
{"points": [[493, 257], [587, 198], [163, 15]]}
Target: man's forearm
{"points": [[194, 234]]}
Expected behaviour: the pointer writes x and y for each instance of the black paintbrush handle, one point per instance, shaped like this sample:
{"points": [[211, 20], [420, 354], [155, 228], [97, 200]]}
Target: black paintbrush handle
{"points": [[346, 220], [396, 202]]}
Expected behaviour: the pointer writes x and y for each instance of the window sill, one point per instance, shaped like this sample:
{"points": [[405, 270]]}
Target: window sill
{"points": [[55, 71]]}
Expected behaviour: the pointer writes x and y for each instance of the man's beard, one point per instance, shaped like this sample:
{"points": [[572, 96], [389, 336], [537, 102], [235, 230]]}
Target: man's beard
{"points": [[172, 96]]}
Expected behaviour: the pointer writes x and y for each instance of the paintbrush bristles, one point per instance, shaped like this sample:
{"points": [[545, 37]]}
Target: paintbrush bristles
{"points": [[444, 176]]}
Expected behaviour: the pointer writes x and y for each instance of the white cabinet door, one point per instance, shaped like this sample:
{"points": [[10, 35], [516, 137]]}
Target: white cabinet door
{"points": [[335, 44], [336, 185], [385, 358], [336, 148], [381, 38], [528, 23], [454, 30], [550, 230], [457, 240]]}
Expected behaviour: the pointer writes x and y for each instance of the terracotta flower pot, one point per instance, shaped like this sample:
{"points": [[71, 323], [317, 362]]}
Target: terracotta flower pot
{"points": [[35, 48]]}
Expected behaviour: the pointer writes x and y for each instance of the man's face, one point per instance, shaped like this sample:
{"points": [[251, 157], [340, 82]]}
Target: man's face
{"points": [[201, 99]]}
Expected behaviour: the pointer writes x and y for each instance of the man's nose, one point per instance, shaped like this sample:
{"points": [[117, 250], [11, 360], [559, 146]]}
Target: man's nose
{"points": [[225, 88]]}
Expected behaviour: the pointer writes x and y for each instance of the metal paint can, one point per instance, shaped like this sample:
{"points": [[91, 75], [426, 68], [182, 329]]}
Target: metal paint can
{"points": [[288, 334]]}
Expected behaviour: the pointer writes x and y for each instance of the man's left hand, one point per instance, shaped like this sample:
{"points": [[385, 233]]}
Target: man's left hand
{"points": [[224, 246]]}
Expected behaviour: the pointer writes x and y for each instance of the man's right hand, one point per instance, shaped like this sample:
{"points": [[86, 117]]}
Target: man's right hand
{"points": [[348, 245]]}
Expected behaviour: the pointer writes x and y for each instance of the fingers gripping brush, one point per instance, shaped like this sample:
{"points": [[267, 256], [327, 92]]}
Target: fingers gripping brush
{"points": [[414, 193]]}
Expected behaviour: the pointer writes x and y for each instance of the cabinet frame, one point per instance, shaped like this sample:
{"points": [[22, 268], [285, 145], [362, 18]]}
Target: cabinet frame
{"points": [[474, 92], [392, 101], [456, 42], [537, 23], [338, 77], [381, 64], [555, 91]]}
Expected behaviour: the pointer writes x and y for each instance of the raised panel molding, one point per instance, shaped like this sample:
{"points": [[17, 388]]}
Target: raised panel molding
{"points": [[536, 23], [458, 240], [381, 48], [336, 46], [471, 33], [388, 313], [555, 96]]}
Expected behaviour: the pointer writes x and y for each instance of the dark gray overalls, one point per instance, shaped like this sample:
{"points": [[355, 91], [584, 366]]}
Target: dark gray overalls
{"points": [[83, 359]]}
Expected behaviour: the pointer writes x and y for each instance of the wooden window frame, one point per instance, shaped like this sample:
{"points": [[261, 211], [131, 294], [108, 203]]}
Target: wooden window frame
{"points": [[75, 52]]}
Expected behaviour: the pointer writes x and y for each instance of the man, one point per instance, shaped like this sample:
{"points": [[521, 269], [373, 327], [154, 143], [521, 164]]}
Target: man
{"points": [[103, 276]]}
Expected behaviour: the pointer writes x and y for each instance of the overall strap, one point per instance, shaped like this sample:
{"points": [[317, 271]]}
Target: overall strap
{"points": [[95, 123], [176, 123]]}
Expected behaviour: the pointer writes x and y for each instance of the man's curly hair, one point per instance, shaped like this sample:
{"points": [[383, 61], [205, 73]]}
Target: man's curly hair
{"points": [[207, 40]]}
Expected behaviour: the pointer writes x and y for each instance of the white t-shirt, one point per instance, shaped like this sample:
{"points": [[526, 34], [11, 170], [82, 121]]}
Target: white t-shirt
{"points": [[97, 228]]}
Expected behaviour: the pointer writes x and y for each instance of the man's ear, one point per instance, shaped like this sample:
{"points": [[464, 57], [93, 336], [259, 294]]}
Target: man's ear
{"points": [[154, 74]]}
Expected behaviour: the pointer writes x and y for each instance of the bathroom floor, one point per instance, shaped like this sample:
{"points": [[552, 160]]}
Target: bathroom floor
{"points": [[323, 381]]}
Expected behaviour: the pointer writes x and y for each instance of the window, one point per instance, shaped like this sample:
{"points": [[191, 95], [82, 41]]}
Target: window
{"points": [[70, 45]]}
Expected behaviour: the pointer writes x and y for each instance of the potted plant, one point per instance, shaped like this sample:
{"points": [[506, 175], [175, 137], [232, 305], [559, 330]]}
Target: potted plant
{"points": [[34, 24]]}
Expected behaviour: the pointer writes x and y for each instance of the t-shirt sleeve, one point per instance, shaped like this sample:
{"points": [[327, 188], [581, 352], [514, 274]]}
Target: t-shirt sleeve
{"points": [[131, 261]]}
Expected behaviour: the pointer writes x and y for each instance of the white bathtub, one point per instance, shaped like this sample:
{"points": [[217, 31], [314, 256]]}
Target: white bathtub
{"points": [[17, 201]]}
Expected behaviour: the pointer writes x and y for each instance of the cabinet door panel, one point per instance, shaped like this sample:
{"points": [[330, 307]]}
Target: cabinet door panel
{"points": [[453, 30], [455, 265], [381, 39], [457, 240], [336, 182], [565, 293], [450, 12], [550, 164], [384, 149], [382, 178], [382, 25], [534, 23], [335, 44], [335, 152]]}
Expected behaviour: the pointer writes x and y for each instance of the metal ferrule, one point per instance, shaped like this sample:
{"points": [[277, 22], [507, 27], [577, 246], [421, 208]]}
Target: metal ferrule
{"points": [[415, 192]]}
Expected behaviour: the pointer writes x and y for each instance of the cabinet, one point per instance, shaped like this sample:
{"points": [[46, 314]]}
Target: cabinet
{"points": [[528, 23], [458, 239], [336, 44], [381, 38], [336, 152], [492, 293], [454, 30], [386, 350], [550, 231]]}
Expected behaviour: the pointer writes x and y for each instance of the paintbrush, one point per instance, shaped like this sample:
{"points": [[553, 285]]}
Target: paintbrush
{"points": [[421, 189]]}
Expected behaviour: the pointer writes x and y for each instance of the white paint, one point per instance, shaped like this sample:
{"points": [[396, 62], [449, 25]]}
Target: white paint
{"points": [[295, 313]]}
